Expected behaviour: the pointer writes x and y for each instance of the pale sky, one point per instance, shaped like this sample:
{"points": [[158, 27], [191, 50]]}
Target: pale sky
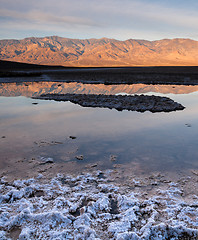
{"points": [[119, 19]]}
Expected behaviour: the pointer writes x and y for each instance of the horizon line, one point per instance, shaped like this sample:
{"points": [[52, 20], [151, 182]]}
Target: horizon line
{"points": [[184, 38]]}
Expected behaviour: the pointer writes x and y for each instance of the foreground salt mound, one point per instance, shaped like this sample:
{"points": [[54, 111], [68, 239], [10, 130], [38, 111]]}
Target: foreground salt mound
{"points": [[91, 206], [140, 103]]}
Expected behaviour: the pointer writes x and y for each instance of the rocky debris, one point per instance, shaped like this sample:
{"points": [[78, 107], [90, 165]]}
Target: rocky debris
{"points": [[113, 158], [94, 165], [194, 172], [47, 160], [47, 143], [80, 157], [140, 103], [72, 137]]}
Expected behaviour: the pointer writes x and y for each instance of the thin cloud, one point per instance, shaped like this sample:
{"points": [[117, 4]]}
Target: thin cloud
{"points": [[43, 17], [130, 12]]}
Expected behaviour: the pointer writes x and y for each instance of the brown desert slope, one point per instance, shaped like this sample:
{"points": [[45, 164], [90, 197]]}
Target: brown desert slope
{"points": [[100, 52]]}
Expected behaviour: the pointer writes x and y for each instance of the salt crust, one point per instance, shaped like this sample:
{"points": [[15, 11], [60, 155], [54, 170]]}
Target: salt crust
{"points": [[91, 206], [140, 103]]}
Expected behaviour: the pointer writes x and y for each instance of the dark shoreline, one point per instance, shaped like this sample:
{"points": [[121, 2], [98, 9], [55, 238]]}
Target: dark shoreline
{"points": [[13, 72]]}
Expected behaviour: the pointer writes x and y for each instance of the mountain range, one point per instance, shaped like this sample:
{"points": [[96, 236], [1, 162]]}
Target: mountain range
{"points": [[105, 52]]}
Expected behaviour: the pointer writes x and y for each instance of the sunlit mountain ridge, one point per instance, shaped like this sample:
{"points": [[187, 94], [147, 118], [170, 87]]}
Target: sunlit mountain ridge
{"points": [[55, 50]]}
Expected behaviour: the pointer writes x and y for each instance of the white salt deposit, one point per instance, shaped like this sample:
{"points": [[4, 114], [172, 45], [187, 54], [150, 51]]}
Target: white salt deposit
{"points": [[89, 206]]}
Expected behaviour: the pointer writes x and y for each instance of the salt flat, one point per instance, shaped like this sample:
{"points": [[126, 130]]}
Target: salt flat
{"points": [[99, 205]]}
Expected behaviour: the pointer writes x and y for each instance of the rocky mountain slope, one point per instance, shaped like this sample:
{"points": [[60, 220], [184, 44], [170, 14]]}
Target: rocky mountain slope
{"points": [[100, 52]]}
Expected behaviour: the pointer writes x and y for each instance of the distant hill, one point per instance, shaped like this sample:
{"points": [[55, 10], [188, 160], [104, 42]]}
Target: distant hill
{"points": [[100, 52]]}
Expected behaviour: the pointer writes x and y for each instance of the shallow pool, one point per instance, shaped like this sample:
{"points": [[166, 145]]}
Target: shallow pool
{"points": [[32, 129]]}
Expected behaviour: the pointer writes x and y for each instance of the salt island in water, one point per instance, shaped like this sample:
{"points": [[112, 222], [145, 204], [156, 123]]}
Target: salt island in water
{"points": [[139, 103]]}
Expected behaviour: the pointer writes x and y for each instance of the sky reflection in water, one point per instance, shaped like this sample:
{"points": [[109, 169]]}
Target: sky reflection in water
{"points": [[159, 141]]}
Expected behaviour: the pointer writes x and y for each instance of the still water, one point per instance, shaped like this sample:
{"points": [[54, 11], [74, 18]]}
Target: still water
{"points": [[152, 141]]}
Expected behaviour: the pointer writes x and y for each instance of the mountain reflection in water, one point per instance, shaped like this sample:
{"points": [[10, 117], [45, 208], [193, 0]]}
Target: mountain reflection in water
{"points": [[37, 88]]}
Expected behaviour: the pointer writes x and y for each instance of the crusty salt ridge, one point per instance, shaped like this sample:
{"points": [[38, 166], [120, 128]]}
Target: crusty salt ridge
{"points": [[140, 103], [95, 206]]}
